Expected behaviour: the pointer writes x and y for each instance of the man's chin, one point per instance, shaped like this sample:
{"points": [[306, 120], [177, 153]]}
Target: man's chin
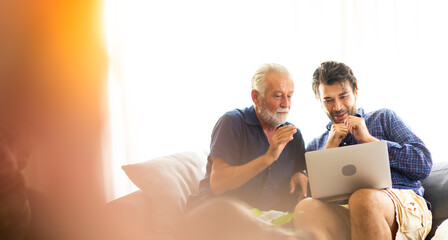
{"points": [[282, 120], [340, 118], [275, 119], [277, 122]]}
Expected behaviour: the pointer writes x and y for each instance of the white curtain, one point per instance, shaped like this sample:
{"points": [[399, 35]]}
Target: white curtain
{"points": [[177, 66]]}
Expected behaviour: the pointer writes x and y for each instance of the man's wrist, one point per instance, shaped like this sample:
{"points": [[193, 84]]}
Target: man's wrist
{"points": [[269, 159], [373, 139], [331, 144]]}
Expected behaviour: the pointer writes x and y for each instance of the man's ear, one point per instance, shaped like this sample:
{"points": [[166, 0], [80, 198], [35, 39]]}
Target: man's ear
{"points": [[255, 94], [356, 94]]}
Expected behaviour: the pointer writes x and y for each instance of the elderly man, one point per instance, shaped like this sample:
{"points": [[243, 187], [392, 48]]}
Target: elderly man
{"points": [[254, 159], [254, 152], [396, 213]]}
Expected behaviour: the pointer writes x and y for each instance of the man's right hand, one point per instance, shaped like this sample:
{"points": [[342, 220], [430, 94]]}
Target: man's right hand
{"points": [[225, 177], [338, 132], [281, 137]]}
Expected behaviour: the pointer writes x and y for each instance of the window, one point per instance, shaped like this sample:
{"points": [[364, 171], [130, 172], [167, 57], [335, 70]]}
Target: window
{"points": [[177, 66]]}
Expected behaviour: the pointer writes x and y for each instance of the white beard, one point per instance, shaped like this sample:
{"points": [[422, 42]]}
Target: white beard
{"points": [[273, 119]]}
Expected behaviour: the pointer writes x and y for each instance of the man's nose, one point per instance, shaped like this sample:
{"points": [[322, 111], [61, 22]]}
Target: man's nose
{"points": [[285, 102], [338, 105]]}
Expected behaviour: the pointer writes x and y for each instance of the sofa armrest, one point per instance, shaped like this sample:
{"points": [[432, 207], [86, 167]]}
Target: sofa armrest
{"points": [[436, 192]]}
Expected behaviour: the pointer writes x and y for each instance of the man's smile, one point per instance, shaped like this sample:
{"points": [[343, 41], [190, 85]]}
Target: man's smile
{"points": [[340, 116]]}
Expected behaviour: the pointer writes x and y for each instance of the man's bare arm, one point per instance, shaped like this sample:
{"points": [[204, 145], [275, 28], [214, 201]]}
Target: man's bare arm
{"points": [[225, 177]]}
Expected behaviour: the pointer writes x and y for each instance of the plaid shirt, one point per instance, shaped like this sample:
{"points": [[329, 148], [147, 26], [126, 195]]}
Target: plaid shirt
{"points": [[410, 160]]}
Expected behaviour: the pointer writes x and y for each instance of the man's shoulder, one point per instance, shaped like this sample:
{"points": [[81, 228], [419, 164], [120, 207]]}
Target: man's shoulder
{"points": [[237, 117], [237, 114], [233, 113], [380, 112], [383, 115]]}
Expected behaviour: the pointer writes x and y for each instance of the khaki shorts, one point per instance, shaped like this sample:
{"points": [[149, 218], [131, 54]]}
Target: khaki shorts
{"points": [[412, 214]]}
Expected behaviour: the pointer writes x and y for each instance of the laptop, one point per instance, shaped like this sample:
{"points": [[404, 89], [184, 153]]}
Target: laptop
{"points": [[336, 173]]}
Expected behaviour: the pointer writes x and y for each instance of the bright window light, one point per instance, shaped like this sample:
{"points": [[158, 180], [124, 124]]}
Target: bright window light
{"points": [[177, 66]]}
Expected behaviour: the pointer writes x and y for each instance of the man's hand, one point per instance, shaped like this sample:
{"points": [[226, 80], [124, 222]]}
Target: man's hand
{"points": [[301, 180], [281, 137], [337, 133], [357, 127]]}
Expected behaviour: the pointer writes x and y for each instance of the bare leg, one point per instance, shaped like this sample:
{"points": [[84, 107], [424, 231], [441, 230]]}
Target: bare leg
{"points": [[372, 215], [320, 220]]}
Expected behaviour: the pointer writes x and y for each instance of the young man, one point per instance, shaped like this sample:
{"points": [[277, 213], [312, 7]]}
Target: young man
{"points": [[397, 213]]}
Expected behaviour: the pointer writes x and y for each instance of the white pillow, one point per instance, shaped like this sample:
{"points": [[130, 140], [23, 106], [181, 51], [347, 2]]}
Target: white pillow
{"points": [[168, 182], [442, 231]]}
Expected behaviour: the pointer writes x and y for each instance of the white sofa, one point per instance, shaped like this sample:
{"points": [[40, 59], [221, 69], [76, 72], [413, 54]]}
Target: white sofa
{"points": [[165, 183], [154, 211]]}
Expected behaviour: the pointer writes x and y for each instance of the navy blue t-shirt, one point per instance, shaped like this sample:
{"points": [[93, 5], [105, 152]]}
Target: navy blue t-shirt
{"points": [[239, 138]]}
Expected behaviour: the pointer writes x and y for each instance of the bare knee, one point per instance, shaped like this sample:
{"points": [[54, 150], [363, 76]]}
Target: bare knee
{"points": [[368, 200], [308, 209], [307, 215], [364, 194], [372, 204], [308, 204], [372, 212], [319, 220]]}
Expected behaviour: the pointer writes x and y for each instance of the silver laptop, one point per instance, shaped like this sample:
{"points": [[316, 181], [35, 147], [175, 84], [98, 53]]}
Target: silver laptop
{"points": [[336, 173]]}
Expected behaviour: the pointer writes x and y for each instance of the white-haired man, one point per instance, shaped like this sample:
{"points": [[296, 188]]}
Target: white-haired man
{"points": [[254, 159], [254, 152]]}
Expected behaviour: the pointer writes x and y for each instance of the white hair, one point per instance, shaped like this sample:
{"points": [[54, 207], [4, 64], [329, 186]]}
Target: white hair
{"points": [[258, 80]]}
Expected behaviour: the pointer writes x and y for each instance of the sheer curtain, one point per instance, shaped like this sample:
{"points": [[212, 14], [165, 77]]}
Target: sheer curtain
{"points": [[53, 67], [177, 66]]}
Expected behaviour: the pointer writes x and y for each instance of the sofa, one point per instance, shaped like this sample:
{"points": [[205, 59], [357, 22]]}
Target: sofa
{"points": [[165, 183]]}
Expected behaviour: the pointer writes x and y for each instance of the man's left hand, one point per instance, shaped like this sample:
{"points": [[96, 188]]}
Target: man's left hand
{"points": [[357, 127], [301, 180]]}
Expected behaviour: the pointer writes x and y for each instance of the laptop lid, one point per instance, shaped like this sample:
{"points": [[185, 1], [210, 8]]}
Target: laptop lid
{"points": [[336, 173]]}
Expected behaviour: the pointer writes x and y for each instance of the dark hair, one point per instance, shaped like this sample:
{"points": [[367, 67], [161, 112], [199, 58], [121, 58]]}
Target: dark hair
{"points": [[331, 72]]}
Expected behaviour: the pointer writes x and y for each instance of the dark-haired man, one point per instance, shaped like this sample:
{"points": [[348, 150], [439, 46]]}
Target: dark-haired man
{"points": [[396, 213]]}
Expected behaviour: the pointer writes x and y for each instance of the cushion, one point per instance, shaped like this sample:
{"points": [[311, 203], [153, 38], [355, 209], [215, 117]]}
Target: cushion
{"points": [[168, 181], [441, 232], [436, 192]]}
